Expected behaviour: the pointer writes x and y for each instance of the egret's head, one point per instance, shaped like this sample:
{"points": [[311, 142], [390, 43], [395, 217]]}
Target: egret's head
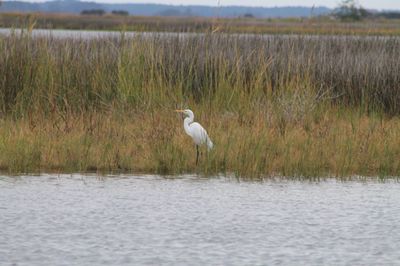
{"points": [[186, 112]]}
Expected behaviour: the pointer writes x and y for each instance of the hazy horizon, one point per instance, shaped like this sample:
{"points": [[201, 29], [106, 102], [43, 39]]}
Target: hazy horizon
{"points": [[370, 4]]}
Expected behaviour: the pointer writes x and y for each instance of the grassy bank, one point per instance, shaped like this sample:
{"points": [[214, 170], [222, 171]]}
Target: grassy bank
{"points": [[316, 25], [154, 142], [279, 106]]}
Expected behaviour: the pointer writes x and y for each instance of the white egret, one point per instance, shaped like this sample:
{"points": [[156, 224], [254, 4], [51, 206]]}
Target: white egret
{"points": [[196, 131]]}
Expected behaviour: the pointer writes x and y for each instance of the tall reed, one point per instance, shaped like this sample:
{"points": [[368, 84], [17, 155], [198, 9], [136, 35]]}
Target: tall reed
{"points": [[278, 105], [224, 71]]}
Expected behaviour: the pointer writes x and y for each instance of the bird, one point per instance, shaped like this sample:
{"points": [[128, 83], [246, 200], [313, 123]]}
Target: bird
{"points": [[195, 131]]}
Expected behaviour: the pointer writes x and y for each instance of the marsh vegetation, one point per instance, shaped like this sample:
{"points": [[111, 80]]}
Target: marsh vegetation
{"points": [[314, 25], [293, 106]]}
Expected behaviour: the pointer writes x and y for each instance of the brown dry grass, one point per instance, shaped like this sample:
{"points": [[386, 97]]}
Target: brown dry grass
{"points": [[250, 147], [299, 106], [323, 25]]}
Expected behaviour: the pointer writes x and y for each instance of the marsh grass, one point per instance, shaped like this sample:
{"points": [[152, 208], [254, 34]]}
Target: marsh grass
{"points": [[315, 25], [298, 106]]}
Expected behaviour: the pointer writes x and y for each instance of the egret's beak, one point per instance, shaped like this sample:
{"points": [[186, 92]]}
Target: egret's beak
{"points": [[179, 111]]}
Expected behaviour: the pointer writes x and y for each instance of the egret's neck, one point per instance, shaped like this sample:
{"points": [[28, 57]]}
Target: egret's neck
{"points": [[186, 124]]}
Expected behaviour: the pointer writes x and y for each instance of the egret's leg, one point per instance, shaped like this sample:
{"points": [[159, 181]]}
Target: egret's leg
{"points": [[197, 154]]}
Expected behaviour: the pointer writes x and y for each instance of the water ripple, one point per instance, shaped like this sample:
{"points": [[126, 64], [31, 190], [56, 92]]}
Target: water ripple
{"points": [[140, 220]]}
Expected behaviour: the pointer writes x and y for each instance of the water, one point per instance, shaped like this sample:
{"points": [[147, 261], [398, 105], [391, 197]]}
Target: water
{"points": [[93, 34], [81, 34], [75, 220]]}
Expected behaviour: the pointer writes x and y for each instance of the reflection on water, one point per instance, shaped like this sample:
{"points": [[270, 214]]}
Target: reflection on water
{"points": [[93, 34], [53, 220]]}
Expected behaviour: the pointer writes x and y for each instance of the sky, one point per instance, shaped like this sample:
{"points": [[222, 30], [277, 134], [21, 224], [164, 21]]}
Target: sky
{"points": [[372, 4]]}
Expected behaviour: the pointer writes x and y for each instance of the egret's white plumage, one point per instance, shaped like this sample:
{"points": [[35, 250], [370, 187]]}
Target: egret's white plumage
{"points": [[195, 130]]}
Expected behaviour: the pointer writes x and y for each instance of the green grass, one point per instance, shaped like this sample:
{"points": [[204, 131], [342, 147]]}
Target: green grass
{"points": [[304, 107]]}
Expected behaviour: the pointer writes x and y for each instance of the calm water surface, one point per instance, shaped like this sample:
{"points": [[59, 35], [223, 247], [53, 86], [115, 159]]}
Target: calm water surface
{"points": [[75, 220], [93, 34]]}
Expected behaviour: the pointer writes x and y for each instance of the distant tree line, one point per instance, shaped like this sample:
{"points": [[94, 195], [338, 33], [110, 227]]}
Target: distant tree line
{"points": [[120, 12], [389, 15], [100, 12], [349, 10], [248, 15], [97, 12]]}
